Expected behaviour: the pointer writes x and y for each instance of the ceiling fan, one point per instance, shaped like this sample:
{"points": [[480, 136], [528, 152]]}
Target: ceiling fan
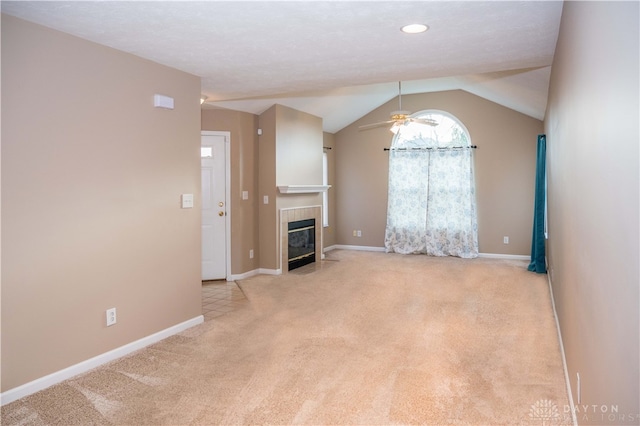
{"points": [[399, 118]]}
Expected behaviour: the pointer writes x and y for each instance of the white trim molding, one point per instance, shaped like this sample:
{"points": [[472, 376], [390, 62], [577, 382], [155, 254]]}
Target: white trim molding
{"points": [[302, 189], [245, 275], [91, 363], [572, 406], [360, 248], [381, 249], [504, 256], [270, 271]]}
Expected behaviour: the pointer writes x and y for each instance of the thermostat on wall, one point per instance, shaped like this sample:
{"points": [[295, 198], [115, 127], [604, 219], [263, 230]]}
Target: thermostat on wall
{"points": [[161, 101]]}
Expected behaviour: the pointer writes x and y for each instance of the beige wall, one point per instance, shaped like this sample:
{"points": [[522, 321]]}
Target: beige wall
{"points": [[290, 153], [244, 177], [91, 180], [268, 217], [299, 141], [297, 135], [504, 167], [298, 148], [592, 129]]}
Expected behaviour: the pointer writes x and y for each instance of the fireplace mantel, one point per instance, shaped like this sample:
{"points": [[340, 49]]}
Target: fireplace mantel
{"points": [[302, 189]]}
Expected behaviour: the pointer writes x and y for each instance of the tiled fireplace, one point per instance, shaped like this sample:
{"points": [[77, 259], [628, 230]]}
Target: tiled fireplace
{"points": [[296, 214]]}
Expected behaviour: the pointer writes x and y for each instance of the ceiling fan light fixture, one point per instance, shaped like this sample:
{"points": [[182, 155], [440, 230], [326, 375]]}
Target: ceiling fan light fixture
{"points": [[399, 115], [414, 28], [400, 118]]}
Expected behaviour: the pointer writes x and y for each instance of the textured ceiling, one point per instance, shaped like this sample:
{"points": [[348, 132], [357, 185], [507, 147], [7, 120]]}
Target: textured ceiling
{"points": [[338, 59]]}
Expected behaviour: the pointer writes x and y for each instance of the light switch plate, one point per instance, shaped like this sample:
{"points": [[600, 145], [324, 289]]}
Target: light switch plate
{"points": [[245, 195], [187, 201]]}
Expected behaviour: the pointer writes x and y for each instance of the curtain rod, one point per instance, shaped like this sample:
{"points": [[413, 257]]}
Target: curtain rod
{"points": [[429, 149]]}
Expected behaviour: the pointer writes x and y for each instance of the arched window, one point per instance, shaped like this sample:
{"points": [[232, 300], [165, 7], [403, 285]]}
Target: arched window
{"points": [[432, 207]]}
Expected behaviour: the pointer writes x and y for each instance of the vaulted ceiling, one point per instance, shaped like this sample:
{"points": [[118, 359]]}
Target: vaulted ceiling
{"points": [[338, 60]]}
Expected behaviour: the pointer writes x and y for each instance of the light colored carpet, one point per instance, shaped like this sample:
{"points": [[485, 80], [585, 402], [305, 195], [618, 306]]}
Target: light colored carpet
{"points": [[363, 338]]}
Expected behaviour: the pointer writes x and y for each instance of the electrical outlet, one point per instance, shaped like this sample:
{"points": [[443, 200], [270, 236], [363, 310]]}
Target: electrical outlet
{"points": [[251, 254], [359, 233], [111, 316], [355, 233], [506, 240]]}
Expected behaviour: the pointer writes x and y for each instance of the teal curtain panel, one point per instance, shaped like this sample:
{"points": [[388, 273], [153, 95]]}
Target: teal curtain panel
{"points": [[537, 242]]}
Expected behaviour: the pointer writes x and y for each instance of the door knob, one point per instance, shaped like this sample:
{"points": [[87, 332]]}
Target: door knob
{"points": [[221, 213]]}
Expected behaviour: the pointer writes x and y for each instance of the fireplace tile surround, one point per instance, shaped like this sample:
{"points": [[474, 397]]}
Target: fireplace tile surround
{"points": [[291, 215]]}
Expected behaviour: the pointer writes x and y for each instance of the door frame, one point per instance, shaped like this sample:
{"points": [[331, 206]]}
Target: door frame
{"points": [[227, 195]]}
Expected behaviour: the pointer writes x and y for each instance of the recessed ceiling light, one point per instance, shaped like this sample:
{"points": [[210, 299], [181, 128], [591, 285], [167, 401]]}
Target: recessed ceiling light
{"points": [[414, 28]]}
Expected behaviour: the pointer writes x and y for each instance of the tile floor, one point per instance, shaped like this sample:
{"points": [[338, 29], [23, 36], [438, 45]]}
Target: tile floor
{"points": [[220, 297]]}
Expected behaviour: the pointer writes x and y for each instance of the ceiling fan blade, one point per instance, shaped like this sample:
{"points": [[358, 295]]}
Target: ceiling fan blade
{"points": [[427, 121], [374, 125]]}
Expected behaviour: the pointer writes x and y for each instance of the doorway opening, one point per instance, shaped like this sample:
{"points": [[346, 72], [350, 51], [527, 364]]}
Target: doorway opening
{"points": [[216, 209]]}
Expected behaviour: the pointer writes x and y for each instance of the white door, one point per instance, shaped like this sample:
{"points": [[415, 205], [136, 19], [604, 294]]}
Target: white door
{"points": [[214, 206]]}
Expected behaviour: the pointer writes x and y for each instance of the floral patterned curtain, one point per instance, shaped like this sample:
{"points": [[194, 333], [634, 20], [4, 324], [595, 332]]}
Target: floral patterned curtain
{"points": [[431, 206]]}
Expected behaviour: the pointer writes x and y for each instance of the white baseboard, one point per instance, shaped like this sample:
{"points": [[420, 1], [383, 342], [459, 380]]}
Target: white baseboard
{"points": [[270, 271], [84, 366], [245, 275], [504, 256], [574, 417], [360, 248], [382, 249]]}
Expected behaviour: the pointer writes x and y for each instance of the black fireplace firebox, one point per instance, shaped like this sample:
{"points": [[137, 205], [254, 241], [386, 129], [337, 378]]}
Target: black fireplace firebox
{"points": [[302, 243]]}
